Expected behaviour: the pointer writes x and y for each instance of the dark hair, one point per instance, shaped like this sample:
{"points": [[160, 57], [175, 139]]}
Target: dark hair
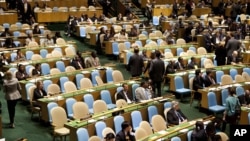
{"points": [[208, 71], [197, 72], [210, 128], [124, 84], [125, 124], [136, 50], [180, 58], [199, 125], [109, 136], [143, 82], [157, 53], [231, 90], [38, 64]]}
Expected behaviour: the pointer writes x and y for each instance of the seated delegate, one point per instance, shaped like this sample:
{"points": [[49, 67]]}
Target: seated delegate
{"points": [[175, 115]]}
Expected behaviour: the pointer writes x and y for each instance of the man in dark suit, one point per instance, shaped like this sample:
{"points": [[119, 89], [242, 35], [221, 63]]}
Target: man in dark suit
{"points": [[156, 72], [37, 70], [208, 79], [124, 94], [198, 83], [39, 92], [245, 98], [174, 115], [25, 11], [180, 64], [233, 58], [77, 63], [232, 45], [192, 64], [135, 63], [126, 133]]}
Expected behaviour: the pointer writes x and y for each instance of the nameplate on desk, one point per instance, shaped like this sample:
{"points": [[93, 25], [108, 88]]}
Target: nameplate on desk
{"points": [[183, 131], [247, 82], [91, 121], [90, 90], [85, 72], [162, 132], [34, 80], [47, 77]]}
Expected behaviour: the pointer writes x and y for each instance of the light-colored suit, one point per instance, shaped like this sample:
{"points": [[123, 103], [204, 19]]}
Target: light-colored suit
{"points": [[92, 62], [11, 89], [140, 94]]}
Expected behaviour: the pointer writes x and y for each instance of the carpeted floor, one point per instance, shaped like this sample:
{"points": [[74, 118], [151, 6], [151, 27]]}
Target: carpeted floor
{"points": [[34, 130]]}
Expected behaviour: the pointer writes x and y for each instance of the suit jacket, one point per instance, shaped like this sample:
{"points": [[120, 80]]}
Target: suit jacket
{"points": [[157, 70], [177, 66], [230, 59], [120, 136], [135, 65], [121, 95], [92, 62], [172, 118], [12, 89], [244, 100], [232, 45], [76, 65], [191, 65], [207, 81], [199, 135], [38, 95], [140, 94], [21, 75], [198, 83], [36, 72]]}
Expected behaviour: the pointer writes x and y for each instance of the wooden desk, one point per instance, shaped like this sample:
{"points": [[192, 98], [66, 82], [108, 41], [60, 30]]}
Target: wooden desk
{"points": [[244, 116], [142, 107], [60, 3], [78, 95], [10, 18], [47, 17]]}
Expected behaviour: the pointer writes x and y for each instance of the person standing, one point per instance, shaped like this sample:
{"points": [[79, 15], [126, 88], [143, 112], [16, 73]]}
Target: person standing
{"points": [[232, 45], [11, 88], [25, 11], [135, 63], [156, 72]]}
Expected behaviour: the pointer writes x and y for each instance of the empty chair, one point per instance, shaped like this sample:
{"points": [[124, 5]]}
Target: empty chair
{"points": [[99, 127], [179, 50], [140, 133], [99, 106], [89, 100], [98, 80], [118, 120], [201, 51], [218, 75], [54, 89], [212, 103], [223, 136], [189, 134], [139, 43], [49, 107], [179, 86], [117, 76], [60, 42], [36, 57], [224, 95], [46, 84], [69, 106], [78, 79], [60, 65], [105, 96], [136, 118], [246, 76], [80, 110], [240, 91], [59, 118], [115, 49], [233, 72], [33, 44], [45, 68], [69, 69], [82, 134], [93, 75], [56, 53], [226, 79], [175, 139], [239, 78], [246, 70], [27, 69], [147, 127], [95, 138], [152, 110], [27, 87], [180, 41], [69, 86], [158, 123], [121, 103], [43, 53], [156, 21], [62, 80], [55, 71], [70, 51], [85, 83], [29, 54], [134, 87], [109, 75], [13, 56]]}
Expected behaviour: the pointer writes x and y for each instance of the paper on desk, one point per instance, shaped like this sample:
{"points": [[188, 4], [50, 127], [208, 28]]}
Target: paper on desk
{"points": [[47, 77], [237, 84], [91, 121], [85, 72], [206, 122], [183, 130], [131, 82], [162, 132], [90, 90], [118, 84], [247, 82], [102, 117]]}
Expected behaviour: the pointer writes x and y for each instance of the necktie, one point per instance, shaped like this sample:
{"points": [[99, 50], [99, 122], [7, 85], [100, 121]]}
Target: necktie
{"points": [[79, 65], [179, 116], [127, 99]]}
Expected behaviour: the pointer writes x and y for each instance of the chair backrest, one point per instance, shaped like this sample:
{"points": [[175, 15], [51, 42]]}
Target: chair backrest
{"points": [[239, 78], [180, 41], [246, 76], [168, 55], [60, 41], [79, 76], [134, 87], [146, 126], [175, 139], [167, 105], [223, 136], [121, 103], [69, 106], [99, 127], [93, 75], [29, 54], [211, 99], [192, 48], [58, 116], [13, 56], [240, 91], [55, 71], [117, 76], [43, 52], [60, 65], [140, 133], [80, 110], [118, 120], [165, 113], [201, 51], [136, 118], [33, 44], [233, 72], [53, 89], [109, 76], [95, 138], [45, 68], [69, 51], [178, 81], [62, 80], [105, 96], [248, 118], [70, 69], [82, 134], [85, 83], [218, 76], [226, 79], [189, 134], [69, 86], [31, 94], [99, 106], [27, 86], [36, 57], [27, 68], [89, 100], [46, 84], [115, 48], [246, 70], [107, 130], [49, 107], [158, 123], [98, 80], [224, 95], [179, 50], [152, 110]]}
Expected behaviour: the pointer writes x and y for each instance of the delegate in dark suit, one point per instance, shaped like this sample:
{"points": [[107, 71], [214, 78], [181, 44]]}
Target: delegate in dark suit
{"points": [[120, 136], [232, 45], [39, 93], [173, 118], [135, 64], [25, 11], [124, 94], [207, 81], [245, 98]]}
